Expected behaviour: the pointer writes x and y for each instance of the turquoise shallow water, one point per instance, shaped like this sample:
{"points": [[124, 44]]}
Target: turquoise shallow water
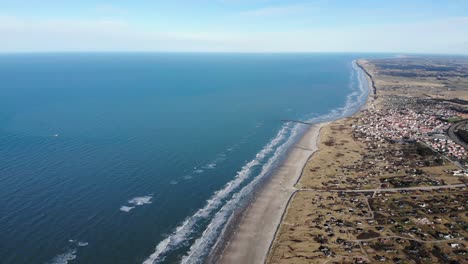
{"points": [[122, 158]]}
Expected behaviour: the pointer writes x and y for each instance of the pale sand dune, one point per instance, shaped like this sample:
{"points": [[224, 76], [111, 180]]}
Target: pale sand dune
{"points": [[256, 228]]}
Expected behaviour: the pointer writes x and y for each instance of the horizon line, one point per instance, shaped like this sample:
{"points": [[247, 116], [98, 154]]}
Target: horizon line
{"points": [[231, 52]]}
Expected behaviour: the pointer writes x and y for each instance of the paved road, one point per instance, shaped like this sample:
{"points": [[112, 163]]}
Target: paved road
{"points": [[416, 188], [454, 137], [408, 238], [256, 228]]}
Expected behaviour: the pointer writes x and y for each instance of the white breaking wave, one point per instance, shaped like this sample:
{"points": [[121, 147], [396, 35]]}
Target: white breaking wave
{"points": [[183, 231], [137, 201], [356, 98], [214, 163], [201, 246], [141, 200], [82, 244], [210, 166], [126, 208], [353, 100], [65, 257]]}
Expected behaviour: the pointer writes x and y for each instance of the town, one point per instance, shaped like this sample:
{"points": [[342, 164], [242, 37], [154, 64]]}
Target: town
{"points": [[388, 184], [411, 119]]}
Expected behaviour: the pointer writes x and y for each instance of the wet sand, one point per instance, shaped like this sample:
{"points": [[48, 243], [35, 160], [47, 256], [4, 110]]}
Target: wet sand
{"points": [[255, 231]]}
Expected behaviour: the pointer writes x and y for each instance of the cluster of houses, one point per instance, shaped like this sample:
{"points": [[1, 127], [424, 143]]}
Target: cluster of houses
{"points": [[446, 146], [390, 231], [419, 225], [400, 125]]}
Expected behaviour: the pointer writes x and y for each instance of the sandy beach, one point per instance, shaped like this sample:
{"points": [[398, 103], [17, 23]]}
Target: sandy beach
{"points": [[256, 228], [332, 218]]}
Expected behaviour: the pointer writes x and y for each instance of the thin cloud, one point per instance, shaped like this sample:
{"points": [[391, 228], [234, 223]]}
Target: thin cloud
{"points": [[109, 9], [13, 23], [448, 35], [283, 10]]}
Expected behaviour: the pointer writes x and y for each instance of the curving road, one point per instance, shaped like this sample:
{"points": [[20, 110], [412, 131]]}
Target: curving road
{"points": [[453, 136]]}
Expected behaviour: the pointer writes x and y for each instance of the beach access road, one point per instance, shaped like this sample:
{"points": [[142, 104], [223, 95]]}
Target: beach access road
{"points": [[415, 188], [256, 229]]}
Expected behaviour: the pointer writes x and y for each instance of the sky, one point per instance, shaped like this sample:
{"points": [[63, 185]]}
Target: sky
{"points": [[409, 26]]}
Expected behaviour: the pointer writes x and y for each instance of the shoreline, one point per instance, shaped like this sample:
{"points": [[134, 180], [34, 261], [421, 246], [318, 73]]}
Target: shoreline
{"points": [[372, 95], [371, 82], [348, 204], [251, 239]]}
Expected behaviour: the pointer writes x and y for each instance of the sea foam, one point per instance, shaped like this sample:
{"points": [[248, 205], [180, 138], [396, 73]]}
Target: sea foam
{"points": [[201, 247], [137, 201], [186, 229], [278, 146], [71, 254], [65, 257]]}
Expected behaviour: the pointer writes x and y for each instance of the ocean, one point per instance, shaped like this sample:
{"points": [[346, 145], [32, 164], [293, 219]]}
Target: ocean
{"points": [[142, 157]]}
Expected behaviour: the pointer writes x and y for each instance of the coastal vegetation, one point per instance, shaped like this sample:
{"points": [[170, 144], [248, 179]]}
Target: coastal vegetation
{"points": [[388, 184]]}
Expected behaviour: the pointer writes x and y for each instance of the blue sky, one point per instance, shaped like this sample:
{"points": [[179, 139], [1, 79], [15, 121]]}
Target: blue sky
{"points": [[235, 26]]}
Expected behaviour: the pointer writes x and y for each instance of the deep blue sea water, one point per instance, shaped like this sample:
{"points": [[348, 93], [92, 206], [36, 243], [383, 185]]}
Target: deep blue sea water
{"points": [[113, 158]]}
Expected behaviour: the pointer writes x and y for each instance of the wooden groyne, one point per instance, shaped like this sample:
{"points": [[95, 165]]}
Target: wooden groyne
{"points": [[297, 121]]}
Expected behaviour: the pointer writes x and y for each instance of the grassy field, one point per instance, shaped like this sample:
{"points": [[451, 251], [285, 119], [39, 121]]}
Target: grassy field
{"points": [[323, 224]]}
